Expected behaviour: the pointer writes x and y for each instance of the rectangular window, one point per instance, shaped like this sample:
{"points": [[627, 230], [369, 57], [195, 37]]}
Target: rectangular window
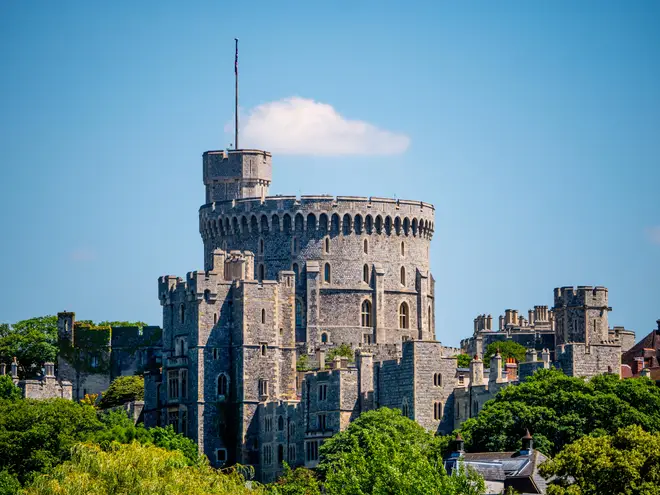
{"points": [[221, 456], [263, 387], [323, 422], [173, 384], [268, 454], [323, 392], [312, 452], [368, 338], [173, 419], [184, 383]]}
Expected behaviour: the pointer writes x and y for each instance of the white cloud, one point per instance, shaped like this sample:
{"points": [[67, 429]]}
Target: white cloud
{"points": [[82, 255], [300, 126]]}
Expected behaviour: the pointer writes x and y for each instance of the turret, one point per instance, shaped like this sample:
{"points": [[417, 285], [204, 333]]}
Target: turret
{"points": [[236, 174]]}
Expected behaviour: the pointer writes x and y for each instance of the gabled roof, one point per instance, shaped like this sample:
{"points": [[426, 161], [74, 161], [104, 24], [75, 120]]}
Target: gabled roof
{"points": [[512, 468]]}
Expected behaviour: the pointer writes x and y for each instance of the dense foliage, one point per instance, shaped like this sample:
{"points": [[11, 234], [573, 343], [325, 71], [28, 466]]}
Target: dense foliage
{"points": [[343, 350], [135, 469], [463, 360], [32, 342], [37, 435], [507, 349], [299, 481], [8, 391], [385, 452], [559, 410], [123, 389], [627, 462]]}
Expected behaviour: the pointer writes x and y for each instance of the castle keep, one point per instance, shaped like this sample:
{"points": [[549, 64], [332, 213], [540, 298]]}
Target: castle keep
{"points": [[288, 279]]}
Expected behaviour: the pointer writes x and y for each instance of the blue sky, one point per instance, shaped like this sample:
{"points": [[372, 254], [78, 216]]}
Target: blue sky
{"points": [[534, 128]]}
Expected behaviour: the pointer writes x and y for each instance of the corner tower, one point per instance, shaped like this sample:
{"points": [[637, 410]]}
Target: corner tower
{"points": [[581, 315], [236, 174]]}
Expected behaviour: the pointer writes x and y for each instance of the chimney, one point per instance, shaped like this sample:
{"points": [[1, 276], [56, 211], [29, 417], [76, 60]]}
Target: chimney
{"points": [[638, 365], [476, 371], [495, 368], [511, 369], [530, 356], [14, 368], [501, 322], [459, 445], [49, 370], [646, 372], [320, 358], [530, 314], [489, 322], [545, 356], [527, 444]]}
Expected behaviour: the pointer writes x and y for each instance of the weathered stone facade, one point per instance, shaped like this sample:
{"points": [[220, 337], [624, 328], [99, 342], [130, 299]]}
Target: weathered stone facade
{"points": [[91, 357], [287, 277], [46, 387]]}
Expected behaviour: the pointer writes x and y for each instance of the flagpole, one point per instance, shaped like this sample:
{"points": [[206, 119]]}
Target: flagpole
{"points": [[236, 97]]}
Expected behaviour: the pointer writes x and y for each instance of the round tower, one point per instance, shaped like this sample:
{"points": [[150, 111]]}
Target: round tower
{"points": [[361, 264]]}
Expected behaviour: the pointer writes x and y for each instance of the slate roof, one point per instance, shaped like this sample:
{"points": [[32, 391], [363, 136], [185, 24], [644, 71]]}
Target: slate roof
{"points": [[516, 469]]}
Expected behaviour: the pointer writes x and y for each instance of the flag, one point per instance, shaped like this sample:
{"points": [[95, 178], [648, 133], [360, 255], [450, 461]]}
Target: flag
{"points": [[236, 58]]}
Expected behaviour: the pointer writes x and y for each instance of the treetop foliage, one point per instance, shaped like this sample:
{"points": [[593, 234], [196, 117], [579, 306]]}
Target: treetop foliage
{"points": [[559, 410], [123, 389], [32, 342], [136, 469], [507, 349], [344, 350], [8, 391], [463, 360], [627, 462], [385, 452]]}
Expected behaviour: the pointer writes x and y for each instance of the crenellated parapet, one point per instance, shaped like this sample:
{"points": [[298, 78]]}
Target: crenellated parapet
{"points": [[341, 215], [583, 295]]}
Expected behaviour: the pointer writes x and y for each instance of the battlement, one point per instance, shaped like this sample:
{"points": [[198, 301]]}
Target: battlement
{"points": [[235, 174], [583, 295], [341, 214]]}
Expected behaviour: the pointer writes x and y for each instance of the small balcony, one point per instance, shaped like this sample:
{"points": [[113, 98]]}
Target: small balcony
{"points": [[177, 362]]}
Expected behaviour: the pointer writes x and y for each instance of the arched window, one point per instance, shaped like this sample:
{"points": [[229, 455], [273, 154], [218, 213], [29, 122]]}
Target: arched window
{"points": [[430, 320], [280, 423], [182, 314], [299, 313], [365, 246], [324, 337], [366, 313], [222, 384], [326, 273], [263, 316], [261, 246], [403, 248], [404, 315], [326, 244], [437, 411], [264, 349], [403, 275], [262, 272], [365, 274]]}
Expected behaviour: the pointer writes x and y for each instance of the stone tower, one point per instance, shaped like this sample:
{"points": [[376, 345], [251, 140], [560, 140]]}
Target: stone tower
{"points": [[236, 174], [581, 315]]}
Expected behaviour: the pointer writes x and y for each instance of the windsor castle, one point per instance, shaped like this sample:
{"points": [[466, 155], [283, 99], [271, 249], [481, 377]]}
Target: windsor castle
{"points": [[242, 363]]}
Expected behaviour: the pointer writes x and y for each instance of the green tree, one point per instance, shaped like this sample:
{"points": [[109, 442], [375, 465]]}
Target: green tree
{"points": [[123, 389], [9, 485], [507, 349], [32, 342], [36, 435], [111, 324], [627, 462], [384, 452], [344, 350], [463, 360], [136, 469], [559, 410], [8, 390], [300, 481]]}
